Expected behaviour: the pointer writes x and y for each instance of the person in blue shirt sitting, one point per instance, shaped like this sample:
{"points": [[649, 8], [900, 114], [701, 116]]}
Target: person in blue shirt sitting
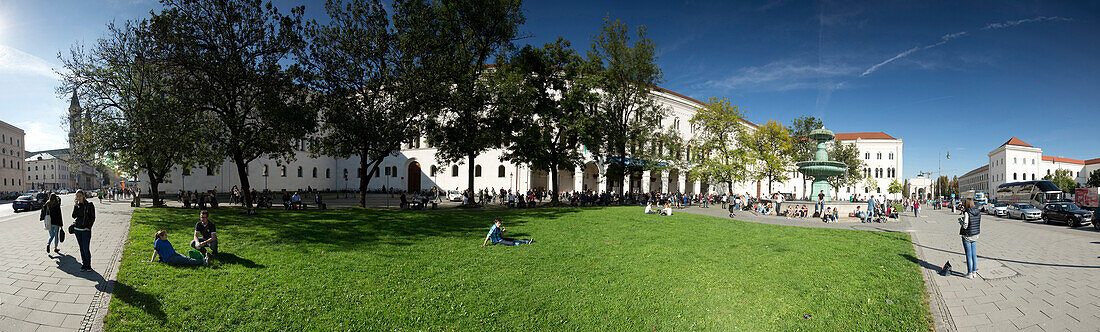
{"points": [[168, 255], [497, 231]]}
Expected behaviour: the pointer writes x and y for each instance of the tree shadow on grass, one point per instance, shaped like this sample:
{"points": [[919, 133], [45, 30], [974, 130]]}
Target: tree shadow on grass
{"points": [[224, 258], [348, 229], [137, 299]]}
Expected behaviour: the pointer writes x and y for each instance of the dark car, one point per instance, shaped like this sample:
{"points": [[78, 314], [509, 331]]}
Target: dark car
{"points": [[25, 203], [1095, 224], [1068, 213]]}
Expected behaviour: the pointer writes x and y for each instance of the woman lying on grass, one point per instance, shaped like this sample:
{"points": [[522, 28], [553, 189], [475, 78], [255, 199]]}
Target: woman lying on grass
{"points": [[495, 233], [168, 255]]}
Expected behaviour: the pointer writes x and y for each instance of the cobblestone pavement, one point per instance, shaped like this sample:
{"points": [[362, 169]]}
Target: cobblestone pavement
{"points": [[1033, 276], [40, 292]]}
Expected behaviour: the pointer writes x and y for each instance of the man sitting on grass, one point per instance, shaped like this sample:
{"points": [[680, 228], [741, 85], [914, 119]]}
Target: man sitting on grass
{"points": [[206, 235], [168, 255], [497, 231], [649, 209]]}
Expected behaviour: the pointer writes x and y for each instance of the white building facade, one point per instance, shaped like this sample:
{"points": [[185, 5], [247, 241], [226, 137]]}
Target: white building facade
{"points": [[416, 167], [1015, 161]]}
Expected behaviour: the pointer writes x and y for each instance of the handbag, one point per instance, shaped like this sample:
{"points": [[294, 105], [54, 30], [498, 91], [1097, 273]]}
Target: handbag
{"points": [[61, 236]]}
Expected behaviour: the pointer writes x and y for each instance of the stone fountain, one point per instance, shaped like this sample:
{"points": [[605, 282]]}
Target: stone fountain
{"points": [[821, 168]]}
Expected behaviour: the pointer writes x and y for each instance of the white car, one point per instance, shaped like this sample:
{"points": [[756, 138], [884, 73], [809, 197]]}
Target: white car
{"points": [[454, 195], [998, 209]]}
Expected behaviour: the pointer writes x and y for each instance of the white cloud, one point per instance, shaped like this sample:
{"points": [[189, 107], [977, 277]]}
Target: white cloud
{"points": [[784, 75], [15, 61], [43, 135], [1008, 24]]}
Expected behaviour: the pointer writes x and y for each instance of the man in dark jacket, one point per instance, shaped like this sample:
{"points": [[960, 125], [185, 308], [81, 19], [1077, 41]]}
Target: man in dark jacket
{"points": [[84, 216]]}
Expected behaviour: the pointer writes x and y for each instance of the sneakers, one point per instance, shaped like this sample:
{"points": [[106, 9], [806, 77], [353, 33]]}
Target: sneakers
{"points": [[47, 248], [56, 250], [206, 260]]}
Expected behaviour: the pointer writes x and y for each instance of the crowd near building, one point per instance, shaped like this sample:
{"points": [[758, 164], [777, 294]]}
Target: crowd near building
{"points": [[12, 152], [1016, 161], [416, 168]]}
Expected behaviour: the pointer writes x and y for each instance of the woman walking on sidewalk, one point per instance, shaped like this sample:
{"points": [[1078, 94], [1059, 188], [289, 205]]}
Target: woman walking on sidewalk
{"points": [[84, 215], [51, 217], [971, 225]]}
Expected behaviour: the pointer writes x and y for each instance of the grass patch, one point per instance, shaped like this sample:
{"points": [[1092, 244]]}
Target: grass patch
{"points": [[589, 269]]}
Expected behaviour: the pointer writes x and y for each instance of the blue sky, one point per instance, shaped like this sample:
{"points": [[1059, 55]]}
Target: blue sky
{"points": [[940, 75]]}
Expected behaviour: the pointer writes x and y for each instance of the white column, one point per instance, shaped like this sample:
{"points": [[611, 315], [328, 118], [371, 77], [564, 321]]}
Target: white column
{"points": [[626, 182], [578, 179], [601, 180], [664, 181], [683, 183], [645, 181], [696, 186]]}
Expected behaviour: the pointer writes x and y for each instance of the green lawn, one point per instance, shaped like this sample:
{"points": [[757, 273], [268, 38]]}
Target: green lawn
{"points": [[589, 269]]}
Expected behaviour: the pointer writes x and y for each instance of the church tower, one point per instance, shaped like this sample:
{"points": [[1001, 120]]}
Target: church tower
{"points": [[75, 121]]}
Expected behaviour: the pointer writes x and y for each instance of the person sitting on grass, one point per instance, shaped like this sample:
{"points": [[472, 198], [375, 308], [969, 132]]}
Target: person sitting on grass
{"points": [[649, 209], [667, 210], [206, 235], [168, 255], [495, 235]]}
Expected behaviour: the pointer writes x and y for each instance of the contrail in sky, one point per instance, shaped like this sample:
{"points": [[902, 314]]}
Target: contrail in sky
{"points": [[950, 36]]}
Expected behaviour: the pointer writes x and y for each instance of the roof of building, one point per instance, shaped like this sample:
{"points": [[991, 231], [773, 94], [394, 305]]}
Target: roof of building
{"points": [[41, 156], [1017, 142], [1092, 161], [854, 136], [1063, 160], [10, 126], [976, 170], [674, 93]]}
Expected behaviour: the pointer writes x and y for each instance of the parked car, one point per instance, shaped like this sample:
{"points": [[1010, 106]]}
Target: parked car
{"points": [[997, 209], [1096, 225], [454, 195], [25, 203], [1068, 213], [63, 192], [1024, 211]]}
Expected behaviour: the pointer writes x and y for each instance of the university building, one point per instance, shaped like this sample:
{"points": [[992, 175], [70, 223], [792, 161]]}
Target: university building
{"points": [[53, 170], [12, 151], [415, 167], [1015, 161]]}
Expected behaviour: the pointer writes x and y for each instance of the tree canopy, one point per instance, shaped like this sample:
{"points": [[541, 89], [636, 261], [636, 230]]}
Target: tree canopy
{"points": [[719, 143], [769, 148]]}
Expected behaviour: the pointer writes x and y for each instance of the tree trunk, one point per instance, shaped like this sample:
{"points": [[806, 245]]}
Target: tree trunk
{"points": [[553, 184], [365, 176], [470, 199], [242, 172], [154, 185]]}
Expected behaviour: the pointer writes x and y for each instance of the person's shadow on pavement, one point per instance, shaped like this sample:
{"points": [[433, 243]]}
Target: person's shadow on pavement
{"points": [[69, 264]]}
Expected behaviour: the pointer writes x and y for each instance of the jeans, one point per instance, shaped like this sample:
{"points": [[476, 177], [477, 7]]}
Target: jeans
{"points": [[512, 242], [53, 236], [820, 206], [178, 259], [84, 239], [971, 256]]}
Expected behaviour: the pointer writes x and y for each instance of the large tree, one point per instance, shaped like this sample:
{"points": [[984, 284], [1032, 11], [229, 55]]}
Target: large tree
{"points": [[1094, 179], [719, 143], [133, 120], [769, 151], [628, 115], [548, 106], [848, 154], [229, 59], [802, 147], [472, 33], [1063, 178], [367, 77]]}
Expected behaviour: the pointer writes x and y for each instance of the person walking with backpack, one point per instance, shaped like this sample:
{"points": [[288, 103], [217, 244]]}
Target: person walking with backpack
{"points": [[51, 217], [970, 223], [84, 218]]}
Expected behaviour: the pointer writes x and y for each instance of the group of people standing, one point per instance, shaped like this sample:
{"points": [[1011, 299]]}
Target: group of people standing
{"points": [[83, 216]]}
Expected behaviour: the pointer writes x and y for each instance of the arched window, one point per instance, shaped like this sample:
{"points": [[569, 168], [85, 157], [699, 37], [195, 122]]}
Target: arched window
{"points": [[393, 171], [282, 171], [878, 155], [433, 169], [299, 171], [454, 170], [891, 156], [1014, 176], [315, 172], [867, 155], [500, 171], [328, 173], [477, 171]]}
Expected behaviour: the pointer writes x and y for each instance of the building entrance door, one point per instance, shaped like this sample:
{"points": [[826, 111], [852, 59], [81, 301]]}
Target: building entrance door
{"points": [[414, 177]]}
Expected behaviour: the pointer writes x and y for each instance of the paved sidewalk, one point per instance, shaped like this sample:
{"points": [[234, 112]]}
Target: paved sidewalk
{"points": [[1033, 276], [49, 293]]}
